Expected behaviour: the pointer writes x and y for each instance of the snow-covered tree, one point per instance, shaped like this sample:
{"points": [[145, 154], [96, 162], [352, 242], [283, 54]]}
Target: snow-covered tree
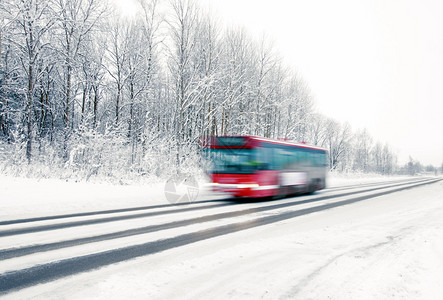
{"points": [[30, 21], [337, 141], [183, 27], [362, 151], [76, 19]]}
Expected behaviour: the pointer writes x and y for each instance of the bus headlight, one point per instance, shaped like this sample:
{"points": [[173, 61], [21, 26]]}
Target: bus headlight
{"points": [[248, 185]]}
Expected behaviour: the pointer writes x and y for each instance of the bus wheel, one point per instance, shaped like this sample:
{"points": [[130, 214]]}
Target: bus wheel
{"points": [[278, 195], [311, 188]]}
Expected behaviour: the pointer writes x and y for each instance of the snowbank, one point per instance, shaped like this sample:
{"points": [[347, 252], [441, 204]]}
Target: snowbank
{"points": [[340, 179]]}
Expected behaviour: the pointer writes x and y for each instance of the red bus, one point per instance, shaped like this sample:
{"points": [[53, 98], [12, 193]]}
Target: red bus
{"points": [[250, 166]]}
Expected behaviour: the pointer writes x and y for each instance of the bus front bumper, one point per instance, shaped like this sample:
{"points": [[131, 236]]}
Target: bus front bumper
{"points": [[245, 189]]}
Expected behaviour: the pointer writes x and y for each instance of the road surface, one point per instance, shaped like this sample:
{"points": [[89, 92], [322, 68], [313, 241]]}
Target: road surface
{"points": [[316, 246]]}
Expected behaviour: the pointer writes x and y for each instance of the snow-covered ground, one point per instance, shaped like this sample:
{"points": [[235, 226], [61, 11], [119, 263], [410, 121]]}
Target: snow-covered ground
{"points": [[335, 179], [25, 197], [386, 247]]}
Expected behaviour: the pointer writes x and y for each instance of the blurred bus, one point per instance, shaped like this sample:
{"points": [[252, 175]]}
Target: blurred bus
{"points": [[249, 166]]}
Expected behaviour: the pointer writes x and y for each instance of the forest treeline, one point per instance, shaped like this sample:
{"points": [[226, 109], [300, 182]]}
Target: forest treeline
{"points": [[87, 90]]}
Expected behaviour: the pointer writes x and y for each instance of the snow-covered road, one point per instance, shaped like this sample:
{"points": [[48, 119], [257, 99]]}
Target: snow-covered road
{"points": [[350, 251]]}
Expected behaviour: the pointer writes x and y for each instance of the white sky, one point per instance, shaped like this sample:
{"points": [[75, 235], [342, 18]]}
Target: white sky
{"points": [[377, 64]]}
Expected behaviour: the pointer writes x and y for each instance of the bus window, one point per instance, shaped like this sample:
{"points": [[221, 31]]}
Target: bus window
{"points": [[268, 158], [279, 158], [294, 157], [315, 159], [302, 157], [325, 159], [264, 158], [234, 160]]}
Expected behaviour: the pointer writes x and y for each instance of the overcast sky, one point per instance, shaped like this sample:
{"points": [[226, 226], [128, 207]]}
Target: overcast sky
{"points": [[377, 64]]}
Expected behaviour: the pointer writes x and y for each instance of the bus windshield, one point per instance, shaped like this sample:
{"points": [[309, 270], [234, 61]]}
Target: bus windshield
{"points": [[234, 160]]}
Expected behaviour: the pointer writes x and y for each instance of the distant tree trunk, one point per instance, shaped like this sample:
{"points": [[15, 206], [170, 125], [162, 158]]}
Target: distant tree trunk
{"points": [[67, 93], [4, 90], [95, 106], [2, 96], [29, 107], [183, 29], [83, 108], [117, 105]]}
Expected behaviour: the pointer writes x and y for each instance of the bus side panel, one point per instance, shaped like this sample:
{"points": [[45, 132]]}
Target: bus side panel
{"points": [[266, 181], [269, 183]]}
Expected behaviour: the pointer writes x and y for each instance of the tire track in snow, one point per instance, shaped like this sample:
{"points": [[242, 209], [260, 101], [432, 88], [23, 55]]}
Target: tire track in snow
{"points": [[131, 209], [16, 252], [101, 212]]}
